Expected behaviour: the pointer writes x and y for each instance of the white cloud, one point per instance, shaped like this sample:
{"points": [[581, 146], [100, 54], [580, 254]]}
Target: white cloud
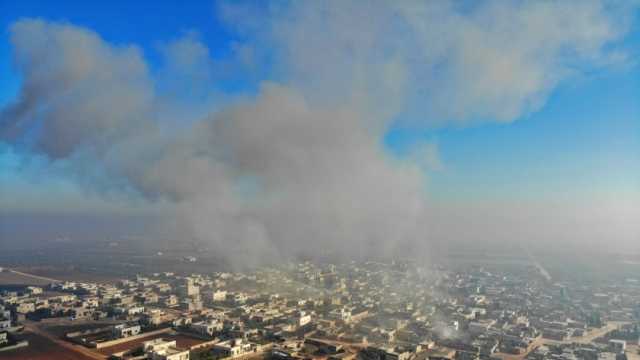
{"points": [[439, 61]]}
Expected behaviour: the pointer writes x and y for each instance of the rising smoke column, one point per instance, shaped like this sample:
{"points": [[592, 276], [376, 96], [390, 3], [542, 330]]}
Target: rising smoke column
{"points": [[299, 167]]}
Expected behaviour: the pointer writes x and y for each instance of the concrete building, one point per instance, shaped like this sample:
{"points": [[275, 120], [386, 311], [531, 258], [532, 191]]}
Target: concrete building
{"points": [[234, 348], [155, 317], [81, 313], [5, 313], [192, 304], [617, 346], [125, 330], [160, 349], [219, 295], [26, 307], [171, 301], [189, 288], [34, 290], [208, 327]]}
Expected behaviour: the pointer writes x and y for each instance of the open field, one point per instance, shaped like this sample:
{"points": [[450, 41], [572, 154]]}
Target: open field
{"points": [[96, 263], [65, 273], [41, 348], [59, 327], [633, 352], [12, 278], [182, 341]]}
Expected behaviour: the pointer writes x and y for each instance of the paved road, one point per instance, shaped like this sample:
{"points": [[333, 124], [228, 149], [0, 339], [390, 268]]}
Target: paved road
{"points": [[594, 334]]}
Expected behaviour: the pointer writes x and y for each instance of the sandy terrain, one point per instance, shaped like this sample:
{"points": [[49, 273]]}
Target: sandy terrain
{"points": [[41, 348], [12, 278]]}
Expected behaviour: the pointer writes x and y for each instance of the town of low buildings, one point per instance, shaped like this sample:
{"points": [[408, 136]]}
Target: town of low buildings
{"points": [[368, 310]]}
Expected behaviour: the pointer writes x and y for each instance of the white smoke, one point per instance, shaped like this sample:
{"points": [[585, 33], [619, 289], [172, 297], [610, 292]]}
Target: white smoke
{"points": [[300, 166]]}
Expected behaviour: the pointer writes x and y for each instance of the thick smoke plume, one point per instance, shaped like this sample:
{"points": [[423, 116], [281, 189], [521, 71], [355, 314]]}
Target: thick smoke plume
{"points": [[299, 166]]}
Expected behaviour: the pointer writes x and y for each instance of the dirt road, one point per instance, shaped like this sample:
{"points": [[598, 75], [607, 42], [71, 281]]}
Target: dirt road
{"points": [[34, 276]]}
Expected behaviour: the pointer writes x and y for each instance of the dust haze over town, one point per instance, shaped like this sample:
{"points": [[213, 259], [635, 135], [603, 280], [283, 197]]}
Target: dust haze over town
{"points": [[415, 145]]}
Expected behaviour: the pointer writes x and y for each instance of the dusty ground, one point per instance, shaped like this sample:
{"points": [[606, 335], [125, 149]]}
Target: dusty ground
{"points": [[11, 278], [67, 273], [41, 348], [182, 341], [633, 352]]}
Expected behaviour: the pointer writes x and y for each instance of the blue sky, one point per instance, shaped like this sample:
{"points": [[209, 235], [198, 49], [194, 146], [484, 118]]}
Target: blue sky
{"points": [[582, 142], [585, 141]]}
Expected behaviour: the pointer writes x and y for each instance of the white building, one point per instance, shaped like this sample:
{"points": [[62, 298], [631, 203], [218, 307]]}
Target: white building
{"points": [[81, 313], [34, 290], [189, 288], [606, 356], [131, 310], [303, 319], [126, 330], [219, 295], [171, 301], [235, 348], [617, 346], [343, 314], [182, 321], [208, 327], [240, 298], [300, 319], [26, 307], [160, 349], [155, 317], [90, 302]]}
